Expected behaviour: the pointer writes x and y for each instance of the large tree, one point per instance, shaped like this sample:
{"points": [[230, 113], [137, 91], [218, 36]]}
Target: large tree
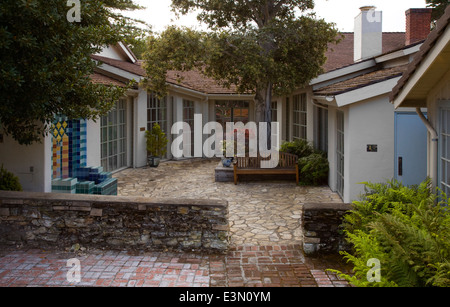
{"points": [[45, 63], [264, 47]]}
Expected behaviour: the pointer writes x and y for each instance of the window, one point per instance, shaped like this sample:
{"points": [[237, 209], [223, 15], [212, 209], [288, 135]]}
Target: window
{"points": [[274, 111], [188, 117], [300, 115], [445, 151], [340, 149], [288, 120], [321, 129], [114, 138], [232, 111], [156, 112]]}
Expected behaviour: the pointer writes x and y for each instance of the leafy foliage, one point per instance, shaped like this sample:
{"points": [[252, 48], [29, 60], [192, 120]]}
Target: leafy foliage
{"points": [[259, 46], [300, 148], [314, 170], [156, 141], [46, 65], [313, 165], [8, 181], [438, 7], [407, 229]]}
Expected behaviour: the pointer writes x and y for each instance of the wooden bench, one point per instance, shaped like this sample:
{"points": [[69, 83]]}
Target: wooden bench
{"points": [[252, 166]]}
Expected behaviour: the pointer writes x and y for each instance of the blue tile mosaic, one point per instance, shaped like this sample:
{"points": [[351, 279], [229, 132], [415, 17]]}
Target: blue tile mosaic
{"points": [[69, 161], [67, 186], [85, 187], [107, 187]]}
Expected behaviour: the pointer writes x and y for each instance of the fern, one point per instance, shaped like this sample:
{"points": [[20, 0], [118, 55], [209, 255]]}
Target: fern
{"points": [[407, 229]]}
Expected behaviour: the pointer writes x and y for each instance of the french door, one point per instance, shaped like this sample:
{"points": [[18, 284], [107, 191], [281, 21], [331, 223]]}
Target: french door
{"points": [[444, 156], [340, 149], [114, 138]]}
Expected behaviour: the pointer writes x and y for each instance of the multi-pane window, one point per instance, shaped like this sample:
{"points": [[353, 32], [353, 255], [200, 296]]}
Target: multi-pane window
{"points": [[340, 149], [274, 111], [232, 111], [445, 151], [114, 138], [300, 117], [156, 112], [188, 117], [288, 120], [321, 129]]}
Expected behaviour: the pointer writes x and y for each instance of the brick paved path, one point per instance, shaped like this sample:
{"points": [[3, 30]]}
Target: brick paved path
{"points": [[244, 266]]}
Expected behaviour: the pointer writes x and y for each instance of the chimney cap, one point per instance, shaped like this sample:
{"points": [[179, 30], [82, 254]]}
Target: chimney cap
{"points": [[367, 8], [419, 11]]}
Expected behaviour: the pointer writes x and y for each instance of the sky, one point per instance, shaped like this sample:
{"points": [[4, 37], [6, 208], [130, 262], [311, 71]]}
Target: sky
{"points": [[342, 12]]}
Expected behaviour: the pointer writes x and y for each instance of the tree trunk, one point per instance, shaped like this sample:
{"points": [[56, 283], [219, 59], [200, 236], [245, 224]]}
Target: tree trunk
{"points": [[260, 104], [263, 108]]}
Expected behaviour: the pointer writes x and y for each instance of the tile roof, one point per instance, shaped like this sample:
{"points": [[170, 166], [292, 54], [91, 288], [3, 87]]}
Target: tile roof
{"points": [[192, 80], [361, 81], [196, 81], [441, 26], [98, 78], [127, 66], [342, 54], [338, 56]]}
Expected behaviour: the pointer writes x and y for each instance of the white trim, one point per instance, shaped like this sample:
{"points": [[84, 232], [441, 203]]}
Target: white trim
{"points": [[398, 54], [120, 72], [127, 52], [366, 92], [343, 71], [422, 69]]}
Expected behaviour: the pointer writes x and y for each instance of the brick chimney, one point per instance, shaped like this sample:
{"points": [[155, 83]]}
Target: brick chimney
{"points": [[418, 25]]}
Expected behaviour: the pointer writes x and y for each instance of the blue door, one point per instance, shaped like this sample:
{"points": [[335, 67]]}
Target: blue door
{"points": [[410, 148]]}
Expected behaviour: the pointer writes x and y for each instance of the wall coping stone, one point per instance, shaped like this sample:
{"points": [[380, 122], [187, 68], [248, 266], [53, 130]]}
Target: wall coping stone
{"points": [[327, 206], [80, 200]]}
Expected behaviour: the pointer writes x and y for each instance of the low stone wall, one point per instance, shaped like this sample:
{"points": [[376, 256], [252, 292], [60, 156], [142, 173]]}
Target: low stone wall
{"points": [[60, 221], [322, 231]]}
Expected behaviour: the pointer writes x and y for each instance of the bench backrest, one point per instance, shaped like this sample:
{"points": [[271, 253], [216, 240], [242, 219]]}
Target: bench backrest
{"points": [[286, 160]]}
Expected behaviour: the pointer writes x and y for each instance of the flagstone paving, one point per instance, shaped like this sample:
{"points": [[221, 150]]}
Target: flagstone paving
{"points": [[260, 212]]}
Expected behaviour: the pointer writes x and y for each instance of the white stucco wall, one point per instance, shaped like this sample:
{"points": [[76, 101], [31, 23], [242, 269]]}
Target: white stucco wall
{"points": [[140, 126], [369, 122], [112, 53], [32, 164], [93, 140]]}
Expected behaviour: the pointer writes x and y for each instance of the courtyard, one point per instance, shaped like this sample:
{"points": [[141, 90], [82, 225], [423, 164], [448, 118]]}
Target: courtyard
{"points": [[265, 239], [260, 212]]}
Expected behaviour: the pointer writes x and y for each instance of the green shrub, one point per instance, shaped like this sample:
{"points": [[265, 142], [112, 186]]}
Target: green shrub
{"points": [[156, 141], [301, 148], [314, 170], [9, 182], [313, 164], [407, 229]]}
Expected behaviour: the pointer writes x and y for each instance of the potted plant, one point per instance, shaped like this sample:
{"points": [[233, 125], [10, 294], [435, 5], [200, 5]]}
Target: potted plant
{"points": [[156, 145], [226, 162]]}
